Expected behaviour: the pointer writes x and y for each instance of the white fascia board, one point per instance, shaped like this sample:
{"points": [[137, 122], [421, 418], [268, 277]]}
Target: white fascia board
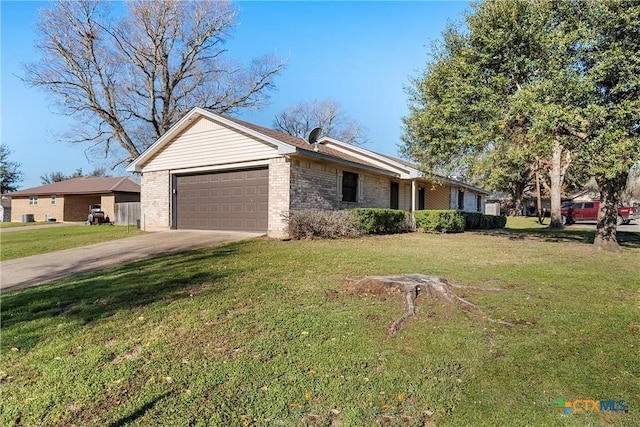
{"points": [[353, 165], [136, 165], [350, 148], [455, 183]]}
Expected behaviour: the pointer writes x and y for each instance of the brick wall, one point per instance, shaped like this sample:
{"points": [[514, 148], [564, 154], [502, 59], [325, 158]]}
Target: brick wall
{"points": [[313, 186], [155, 201], [279, 196], [376, 192], [316, 185], [44, 208]]}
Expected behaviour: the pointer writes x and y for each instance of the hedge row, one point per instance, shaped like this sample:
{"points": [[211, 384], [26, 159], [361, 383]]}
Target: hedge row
{"points": [[439, 221], [381, 221], [322, 224], [356, 222], [478, 221], [311, 224], [450, 221]]}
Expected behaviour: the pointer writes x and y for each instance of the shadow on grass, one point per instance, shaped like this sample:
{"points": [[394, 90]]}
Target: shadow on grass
{"points": [[94, 296], [139, 412], [625, 239]]}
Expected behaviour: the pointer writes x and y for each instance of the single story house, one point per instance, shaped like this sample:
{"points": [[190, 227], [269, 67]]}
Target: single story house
{"points": [[215, 172], [70, 200]]}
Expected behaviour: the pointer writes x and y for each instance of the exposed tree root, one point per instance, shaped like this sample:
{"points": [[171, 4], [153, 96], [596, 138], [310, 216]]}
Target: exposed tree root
{"points": [[436, 287]]}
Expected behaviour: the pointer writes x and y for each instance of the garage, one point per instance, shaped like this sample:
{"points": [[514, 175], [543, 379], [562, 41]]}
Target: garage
{"points": [[230, 200]]}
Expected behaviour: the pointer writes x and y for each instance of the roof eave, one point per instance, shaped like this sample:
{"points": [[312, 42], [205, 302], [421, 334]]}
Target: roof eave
{"points": [[337, 160]]}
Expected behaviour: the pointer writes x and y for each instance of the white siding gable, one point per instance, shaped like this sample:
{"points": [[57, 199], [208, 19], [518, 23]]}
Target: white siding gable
{"points": [[206, 143]]}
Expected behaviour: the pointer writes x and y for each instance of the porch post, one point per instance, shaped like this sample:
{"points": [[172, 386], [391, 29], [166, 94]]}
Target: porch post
{"points": [[413, 199]]}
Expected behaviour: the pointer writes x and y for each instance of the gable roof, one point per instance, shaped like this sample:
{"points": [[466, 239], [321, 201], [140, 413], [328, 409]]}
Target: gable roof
{"points": [[327, 148], [83, 185]]}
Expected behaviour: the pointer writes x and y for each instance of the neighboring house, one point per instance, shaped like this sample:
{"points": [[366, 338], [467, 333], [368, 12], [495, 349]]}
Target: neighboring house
{"points": [[70, 200], [5, 209], [214, 172]]}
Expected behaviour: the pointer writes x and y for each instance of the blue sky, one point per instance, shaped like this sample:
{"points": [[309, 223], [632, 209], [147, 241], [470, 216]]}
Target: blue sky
{"points": [[362, 54]]}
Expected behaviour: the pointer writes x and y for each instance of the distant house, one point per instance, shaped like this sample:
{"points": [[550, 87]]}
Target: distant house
{"points": [[70, 200], [214, 172]]}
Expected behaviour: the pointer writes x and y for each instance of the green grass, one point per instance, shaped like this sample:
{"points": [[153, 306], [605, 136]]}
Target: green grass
{"points": [[268, 333], [25, 224], [34, 241]]}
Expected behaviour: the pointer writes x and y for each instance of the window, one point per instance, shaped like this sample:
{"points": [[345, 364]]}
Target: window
{"points": [[33, 201], [461, 200], [479, 203], [349, 187], [588, 205], [421, 199], [394, 202], [53, 199]]}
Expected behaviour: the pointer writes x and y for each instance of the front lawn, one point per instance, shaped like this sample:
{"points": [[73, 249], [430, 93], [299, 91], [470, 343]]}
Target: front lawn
{"points": [[265, 333], [34, 240]]}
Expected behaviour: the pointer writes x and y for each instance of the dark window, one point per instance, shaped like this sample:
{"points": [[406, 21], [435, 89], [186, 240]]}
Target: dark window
{"points": [[395, 196], [460, 199], [479, 203], [349, 187], [421, 199], [588, 205]]}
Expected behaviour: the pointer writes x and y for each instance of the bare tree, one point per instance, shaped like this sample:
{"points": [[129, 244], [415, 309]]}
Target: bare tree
{"points": [[303, 117], [128, 79], [51, 177]]}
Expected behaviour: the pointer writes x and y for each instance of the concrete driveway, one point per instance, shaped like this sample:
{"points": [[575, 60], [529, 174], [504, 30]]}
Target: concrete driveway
{"points": [[38, 269]]}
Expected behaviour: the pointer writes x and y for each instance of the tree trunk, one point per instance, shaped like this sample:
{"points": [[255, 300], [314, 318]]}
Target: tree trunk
{"points": [[517, 195], [538, 194], [611, 190], [556, 178]]}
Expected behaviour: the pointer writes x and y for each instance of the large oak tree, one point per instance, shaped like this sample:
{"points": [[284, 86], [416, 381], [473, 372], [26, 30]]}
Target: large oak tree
{"points": [[565, 75], [127, 78]]}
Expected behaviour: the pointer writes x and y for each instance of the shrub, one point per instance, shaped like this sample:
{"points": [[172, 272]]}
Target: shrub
{"points": [[439, 221], [478, 221], [381, 221], [322, 224]]}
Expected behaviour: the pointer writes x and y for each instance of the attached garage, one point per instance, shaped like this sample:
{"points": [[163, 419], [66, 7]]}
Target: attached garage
{"points": [[231, 200], [211, 172]]}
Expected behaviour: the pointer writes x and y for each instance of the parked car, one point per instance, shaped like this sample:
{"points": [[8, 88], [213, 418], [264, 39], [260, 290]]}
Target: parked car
{"points": [[588, 211]]}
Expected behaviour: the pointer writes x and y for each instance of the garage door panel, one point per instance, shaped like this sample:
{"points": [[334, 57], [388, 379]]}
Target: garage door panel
{"points": [[233, 200]]}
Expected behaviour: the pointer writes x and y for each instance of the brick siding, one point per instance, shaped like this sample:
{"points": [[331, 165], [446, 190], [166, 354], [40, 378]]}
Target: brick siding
{"points": [[279, 196], [155, 201]]}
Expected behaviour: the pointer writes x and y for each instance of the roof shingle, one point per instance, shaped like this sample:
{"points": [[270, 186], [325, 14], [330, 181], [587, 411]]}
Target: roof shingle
{"points": [[83, 185]]}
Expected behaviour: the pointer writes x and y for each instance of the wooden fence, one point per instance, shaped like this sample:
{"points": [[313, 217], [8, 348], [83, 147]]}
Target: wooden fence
{"points": [[127, 213]]}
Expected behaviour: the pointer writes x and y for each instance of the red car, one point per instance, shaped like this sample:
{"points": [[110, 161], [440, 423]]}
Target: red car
{"points": [[588, 211]]}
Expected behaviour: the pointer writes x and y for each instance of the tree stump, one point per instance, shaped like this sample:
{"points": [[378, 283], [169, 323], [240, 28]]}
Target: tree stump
{"points": [[436, 287]]}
